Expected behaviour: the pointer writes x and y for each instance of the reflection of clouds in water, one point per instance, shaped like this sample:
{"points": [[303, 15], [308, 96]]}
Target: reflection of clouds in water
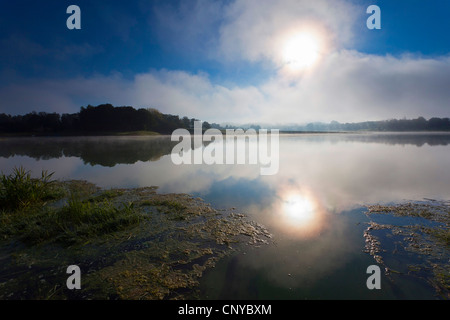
{"points": [[315, 181], [306, 249], [163, 173], [340, 173], [297, 213], [63, 169], [310, 242], [316, 178], [344, 174]]}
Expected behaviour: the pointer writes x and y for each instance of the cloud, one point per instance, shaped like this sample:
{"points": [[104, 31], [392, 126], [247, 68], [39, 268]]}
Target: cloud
{"points": [[347, 86], [350, 86], [253, 29], [248, 30], [175, 92]]}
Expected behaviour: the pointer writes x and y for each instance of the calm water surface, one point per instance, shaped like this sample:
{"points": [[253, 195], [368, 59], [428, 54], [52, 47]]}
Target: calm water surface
{"points": [[314, 206]]}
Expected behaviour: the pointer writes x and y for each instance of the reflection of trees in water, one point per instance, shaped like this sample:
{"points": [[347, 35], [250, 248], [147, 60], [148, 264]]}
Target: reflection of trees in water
{"points": [[417, 139], [105, 151], [438, 139], [109, 151]]}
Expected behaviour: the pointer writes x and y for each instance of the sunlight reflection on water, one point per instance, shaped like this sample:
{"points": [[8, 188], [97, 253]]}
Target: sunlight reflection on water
{"points": [[321, 177], [298, 213]]}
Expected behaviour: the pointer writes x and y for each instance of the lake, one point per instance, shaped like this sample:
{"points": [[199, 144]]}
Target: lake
{"points": [[314, 206]]}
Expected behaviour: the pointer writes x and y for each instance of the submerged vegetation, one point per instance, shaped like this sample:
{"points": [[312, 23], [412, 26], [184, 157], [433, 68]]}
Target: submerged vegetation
{"points": [[129, 243], [140, 244], [418, 230]]}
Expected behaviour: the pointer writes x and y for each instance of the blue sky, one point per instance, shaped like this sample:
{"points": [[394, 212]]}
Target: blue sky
{"points": [[225, 60]]}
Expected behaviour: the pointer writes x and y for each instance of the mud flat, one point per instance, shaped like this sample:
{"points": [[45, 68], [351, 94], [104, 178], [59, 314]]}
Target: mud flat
{"points": [[162, 249], [412, 239]]}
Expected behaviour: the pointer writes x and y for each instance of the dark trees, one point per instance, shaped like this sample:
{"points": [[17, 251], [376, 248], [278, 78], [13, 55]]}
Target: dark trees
{"points": [[104, 118]]}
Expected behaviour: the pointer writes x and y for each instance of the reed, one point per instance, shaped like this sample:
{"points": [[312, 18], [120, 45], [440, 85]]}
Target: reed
{"points": [[20, 191]]}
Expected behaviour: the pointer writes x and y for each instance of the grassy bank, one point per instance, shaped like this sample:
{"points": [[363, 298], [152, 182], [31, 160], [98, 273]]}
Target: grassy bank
{"points": [[129, 243], [30, 211]]}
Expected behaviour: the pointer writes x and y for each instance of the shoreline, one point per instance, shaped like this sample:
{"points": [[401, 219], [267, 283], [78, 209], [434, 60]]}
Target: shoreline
{"points": [[136, 243], [161, 255], [223, 131]]}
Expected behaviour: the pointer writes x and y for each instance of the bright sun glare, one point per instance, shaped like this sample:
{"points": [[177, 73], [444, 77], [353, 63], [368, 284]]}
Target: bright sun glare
{"points": [[299, 208], [300, 213], [301, 51]]}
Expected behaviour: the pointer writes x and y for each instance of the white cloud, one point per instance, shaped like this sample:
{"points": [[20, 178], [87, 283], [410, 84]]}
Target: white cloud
{"points": [[254, 29], [347, 86], [350, 86], [344, 85]]}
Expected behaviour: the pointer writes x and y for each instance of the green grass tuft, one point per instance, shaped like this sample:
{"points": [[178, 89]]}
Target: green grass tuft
{"points": [[25, 213], [76, 222], [20, 191]]}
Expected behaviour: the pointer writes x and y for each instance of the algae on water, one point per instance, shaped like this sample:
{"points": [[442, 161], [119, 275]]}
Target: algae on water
{"points": [[161, 250], [419, 231]]}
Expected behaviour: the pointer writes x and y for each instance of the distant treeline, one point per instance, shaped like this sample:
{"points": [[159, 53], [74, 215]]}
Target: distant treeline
{"points": [[419, 124], [104, 118]]}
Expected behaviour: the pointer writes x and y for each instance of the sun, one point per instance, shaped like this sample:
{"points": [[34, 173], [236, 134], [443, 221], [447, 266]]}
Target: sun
{"points": [[301, 51]]}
